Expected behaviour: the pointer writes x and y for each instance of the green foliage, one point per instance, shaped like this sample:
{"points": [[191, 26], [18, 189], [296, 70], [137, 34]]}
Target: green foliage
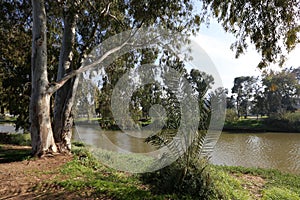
{"points": [[123, 161], [281, 90], [21, 139], [275, 95], [88, 178], [247, 125], [265, 23], [174, 181], [192, 181], [275, 124], [97, 21], [231, 116], [15, 37], [275, 193], [289, 122], [186, 176], [15, 138], [244, 88], [292, 117], [10, 154]]}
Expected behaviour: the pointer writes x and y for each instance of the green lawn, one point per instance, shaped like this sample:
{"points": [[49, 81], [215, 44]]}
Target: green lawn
{"points": [[271, 184]]}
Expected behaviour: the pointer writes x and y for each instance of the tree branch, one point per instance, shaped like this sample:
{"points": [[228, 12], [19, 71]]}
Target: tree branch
{"points": [[53, 87]]}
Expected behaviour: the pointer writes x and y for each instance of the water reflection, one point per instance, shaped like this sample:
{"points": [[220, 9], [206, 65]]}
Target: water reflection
{"points": [[111, 140], [267, 150]]}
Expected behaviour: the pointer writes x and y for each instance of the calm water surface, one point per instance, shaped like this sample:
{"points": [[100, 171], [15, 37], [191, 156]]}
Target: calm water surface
{"points": [[8, 128], [267, 150], [112, 140]]}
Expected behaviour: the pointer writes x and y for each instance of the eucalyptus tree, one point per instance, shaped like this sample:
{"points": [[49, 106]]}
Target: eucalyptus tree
{"points": [[84, 24], [68, 30]]}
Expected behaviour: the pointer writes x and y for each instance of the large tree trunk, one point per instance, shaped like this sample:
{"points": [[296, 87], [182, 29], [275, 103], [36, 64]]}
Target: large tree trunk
{"points": [[41, 131], [63, 120]]}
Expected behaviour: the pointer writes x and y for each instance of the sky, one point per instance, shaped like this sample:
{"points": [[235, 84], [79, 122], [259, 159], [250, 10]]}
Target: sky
{"points": [[216, 43]]}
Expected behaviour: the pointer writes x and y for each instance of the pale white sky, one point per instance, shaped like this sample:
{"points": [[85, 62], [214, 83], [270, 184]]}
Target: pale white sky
{"points": [[216, 43]]}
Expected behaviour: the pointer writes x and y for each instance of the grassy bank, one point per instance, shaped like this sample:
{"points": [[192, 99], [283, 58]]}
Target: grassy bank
{"points": [[89, 178], [252, 183]]}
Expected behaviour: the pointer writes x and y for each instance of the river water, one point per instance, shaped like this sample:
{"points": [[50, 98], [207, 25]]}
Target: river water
{"points": [[8, 128], [266, 150]]}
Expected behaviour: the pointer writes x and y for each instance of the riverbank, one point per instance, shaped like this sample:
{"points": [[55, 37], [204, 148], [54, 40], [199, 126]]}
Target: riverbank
{"points": [[81, 176], [252, 125], [249, 125]]}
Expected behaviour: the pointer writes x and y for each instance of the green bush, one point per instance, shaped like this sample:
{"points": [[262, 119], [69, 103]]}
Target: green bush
{"points": [[192, 182], [15, 138], [287, 121], [292, 117], [276, 193], [231, 116]]}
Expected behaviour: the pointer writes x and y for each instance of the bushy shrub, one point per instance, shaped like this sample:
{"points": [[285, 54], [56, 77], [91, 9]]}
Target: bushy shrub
{"points": [[231, 116], [292, 117], [193, 181], [15, 138], [287, 121]]}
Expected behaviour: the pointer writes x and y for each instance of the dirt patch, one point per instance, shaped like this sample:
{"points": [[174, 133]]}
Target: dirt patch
{"points": [[254, 184], [17, 179]]}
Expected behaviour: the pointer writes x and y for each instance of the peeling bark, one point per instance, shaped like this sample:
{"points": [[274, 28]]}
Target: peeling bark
{"points": [[40, 128], [64, 98], [43, 138]]}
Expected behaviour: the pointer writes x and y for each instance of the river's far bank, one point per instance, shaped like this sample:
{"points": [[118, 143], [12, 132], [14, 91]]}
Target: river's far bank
{"points": [[251, 125]]}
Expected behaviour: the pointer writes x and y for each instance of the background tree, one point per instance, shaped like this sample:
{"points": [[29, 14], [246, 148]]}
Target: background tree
{"points": [[281, 91], [230, 102], [243, 88], [15, 37], [259, 104]]}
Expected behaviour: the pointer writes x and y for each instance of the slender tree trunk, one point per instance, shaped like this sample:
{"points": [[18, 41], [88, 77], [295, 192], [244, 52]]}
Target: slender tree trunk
{"points": [[63, 120], [41, 131]]}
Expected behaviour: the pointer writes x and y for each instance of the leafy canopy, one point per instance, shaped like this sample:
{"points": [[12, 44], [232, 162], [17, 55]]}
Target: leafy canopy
{"points": [[272, 26]]}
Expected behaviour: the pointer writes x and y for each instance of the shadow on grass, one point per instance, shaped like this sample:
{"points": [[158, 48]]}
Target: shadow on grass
{"points": [[14, 147], [12, 153]]}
